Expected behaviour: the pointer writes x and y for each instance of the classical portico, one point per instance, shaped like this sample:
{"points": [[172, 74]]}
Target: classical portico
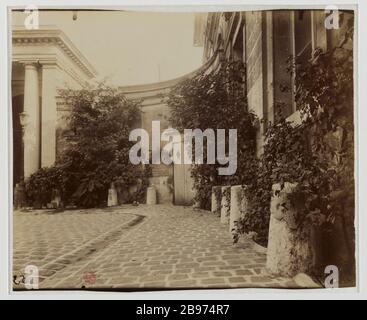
{"points": [[43, 61]]}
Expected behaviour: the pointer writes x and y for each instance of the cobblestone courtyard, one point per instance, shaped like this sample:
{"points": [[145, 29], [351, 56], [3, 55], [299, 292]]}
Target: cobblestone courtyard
{"points": [[128, 247]]}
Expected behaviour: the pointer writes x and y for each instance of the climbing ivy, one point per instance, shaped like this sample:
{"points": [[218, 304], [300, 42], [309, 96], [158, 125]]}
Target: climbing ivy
{"points": [[318, 153], [227, 195]]}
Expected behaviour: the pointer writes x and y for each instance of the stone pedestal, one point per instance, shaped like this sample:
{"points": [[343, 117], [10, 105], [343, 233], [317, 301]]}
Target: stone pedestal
{"points": [[151, 195], [290, 247], [225, 204], [112, 196], [235, 211], [216, 199]]}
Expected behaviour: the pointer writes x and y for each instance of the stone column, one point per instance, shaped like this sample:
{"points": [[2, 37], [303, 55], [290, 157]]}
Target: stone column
{"points": [[49, 115], [225, 204], [31, 120], [290, 250], [235, 211]]}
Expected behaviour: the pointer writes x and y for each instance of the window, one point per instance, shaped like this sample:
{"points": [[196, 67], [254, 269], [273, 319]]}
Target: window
{"points": [[302, 41], [302, 34], [238, 45]]}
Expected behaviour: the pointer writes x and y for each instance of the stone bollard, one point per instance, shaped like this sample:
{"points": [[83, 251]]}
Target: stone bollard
{"points": [[225, 204], [112, 196], [216, 199], [235, 211], [56, 199], [290, 250], [245, 200], [151, 195], [19, 196]]}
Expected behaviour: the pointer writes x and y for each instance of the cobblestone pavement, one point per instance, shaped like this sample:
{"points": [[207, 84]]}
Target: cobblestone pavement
{"points": [[172, 247], [51, 240]]}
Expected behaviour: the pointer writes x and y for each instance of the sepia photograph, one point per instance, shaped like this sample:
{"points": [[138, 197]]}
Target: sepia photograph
{"points": [[155, 150]]}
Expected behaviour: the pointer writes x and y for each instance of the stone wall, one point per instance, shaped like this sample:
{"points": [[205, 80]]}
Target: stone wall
{"points": [[254, 65], [154, 108]]}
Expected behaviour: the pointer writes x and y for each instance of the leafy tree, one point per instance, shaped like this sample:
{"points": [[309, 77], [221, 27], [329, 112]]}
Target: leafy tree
{"points": [[97, 153]]}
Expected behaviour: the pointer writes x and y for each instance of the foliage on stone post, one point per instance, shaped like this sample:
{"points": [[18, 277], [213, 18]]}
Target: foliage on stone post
{"points": [[245, 200], [290, 247], [225, 204], [216, 199], [235, 210]]}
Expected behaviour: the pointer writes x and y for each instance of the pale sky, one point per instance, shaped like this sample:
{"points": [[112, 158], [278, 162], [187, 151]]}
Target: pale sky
{"points": [[130, 47]]}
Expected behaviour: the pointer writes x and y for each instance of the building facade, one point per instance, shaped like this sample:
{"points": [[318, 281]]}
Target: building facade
{"points": [[43, 61], [263, 41]]}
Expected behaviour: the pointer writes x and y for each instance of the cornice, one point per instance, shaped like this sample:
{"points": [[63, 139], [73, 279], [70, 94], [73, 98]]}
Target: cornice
{"points": [[158, 87], [53, 36], [49, 60]]}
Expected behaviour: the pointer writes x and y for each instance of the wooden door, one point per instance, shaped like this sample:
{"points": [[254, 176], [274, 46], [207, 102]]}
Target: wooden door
{"points": [[183, 185]]}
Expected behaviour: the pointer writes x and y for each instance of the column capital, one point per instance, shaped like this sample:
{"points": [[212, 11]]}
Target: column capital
{"points": [[38, 63], [30, 64]]}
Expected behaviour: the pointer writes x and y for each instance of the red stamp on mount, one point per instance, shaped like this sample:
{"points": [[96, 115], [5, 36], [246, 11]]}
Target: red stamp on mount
{"points": [[89, 277]]}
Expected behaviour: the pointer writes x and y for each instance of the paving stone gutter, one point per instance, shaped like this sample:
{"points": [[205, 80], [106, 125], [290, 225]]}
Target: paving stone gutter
{"points": [[88, 248]]}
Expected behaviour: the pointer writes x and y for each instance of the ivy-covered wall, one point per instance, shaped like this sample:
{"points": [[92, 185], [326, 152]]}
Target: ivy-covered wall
{"points": [[269, 38], [299, 84]]}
